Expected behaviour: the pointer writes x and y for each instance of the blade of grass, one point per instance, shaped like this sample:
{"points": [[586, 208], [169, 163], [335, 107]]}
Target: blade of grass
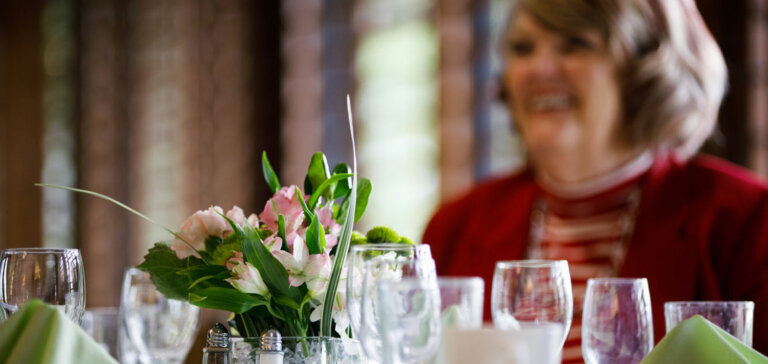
{"points": [[346, 235], [118, 203]]}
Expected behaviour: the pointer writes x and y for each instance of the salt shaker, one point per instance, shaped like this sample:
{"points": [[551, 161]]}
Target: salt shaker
{"points": [[216, 350], [271, 347]]}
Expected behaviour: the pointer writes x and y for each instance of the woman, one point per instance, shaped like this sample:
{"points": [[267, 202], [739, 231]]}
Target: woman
{"points": [[612, 99]]}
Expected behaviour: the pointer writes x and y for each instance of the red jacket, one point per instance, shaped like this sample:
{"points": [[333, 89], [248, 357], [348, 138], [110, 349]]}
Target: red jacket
{"points": [[701, 234]]}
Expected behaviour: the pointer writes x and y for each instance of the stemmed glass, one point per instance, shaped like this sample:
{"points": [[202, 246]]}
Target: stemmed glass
{"points": [[407, 261], [408, 313], [617, 324], [532, 293], [160, 329], [735, 317], [55, 276]]}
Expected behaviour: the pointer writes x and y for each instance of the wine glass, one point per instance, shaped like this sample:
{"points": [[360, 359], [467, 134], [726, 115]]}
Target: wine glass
{"points": [[101, 324], [461, 302], [735, 317], [617, 324], [407, 261], [409, 318], [530, 293], [160, 329], [55, 276]]}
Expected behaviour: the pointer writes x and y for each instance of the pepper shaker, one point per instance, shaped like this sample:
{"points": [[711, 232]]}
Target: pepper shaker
{"points": [[216, 350]]}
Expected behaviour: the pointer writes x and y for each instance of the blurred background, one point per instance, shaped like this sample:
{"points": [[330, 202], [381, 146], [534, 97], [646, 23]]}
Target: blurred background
{"points": [[166, 105]]}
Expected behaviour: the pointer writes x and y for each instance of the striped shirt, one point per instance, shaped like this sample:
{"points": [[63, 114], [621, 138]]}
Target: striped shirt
{"points": [[589, 226]]}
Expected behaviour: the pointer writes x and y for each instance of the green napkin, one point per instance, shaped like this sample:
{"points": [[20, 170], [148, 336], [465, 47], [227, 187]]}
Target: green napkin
{"points": [[697, 340], [41, 334]]}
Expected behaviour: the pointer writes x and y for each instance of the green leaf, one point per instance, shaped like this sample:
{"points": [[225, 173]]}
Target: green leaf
{"points": [[212, 242], [317, 173], [315, 236], [163, 266], [281, 232], [226, 299], [323, 187], [272, 271], [269, 173], [196, 272], [364, 188], [307, 212], [342, 187], [225, 251]]}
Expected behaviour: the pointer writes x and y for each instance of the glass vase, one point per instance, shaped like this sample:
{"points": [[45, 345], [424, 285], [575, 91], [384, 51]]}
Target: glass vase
{"points": [[296, 350]]}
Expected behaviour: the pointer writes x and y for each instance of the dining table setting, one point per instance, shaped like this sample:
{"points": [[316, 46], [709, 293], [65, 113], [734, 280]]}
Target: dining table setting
{"points": [[399, 311]]}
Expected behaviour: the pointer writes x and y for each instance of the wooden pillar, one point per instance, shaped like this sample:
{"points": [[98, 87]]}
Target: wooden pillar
{"points": [[21, 121]]}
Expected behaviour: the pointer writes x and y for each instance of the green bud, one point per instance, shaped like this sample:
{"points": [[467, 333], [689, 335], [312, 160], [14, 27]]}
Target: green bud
{"points": [[382, 234]]}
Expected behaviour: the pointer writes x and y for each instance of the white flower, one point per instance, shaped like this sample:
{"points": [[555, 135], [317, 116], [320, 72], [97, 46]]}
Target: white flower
{"points": [[314, 269], [340, 315], [247, 279]]}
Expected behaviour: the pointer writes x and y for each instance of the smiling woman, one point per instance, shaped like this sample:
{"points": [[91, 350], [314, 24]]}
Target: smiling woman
{"points": [[612, 100]]}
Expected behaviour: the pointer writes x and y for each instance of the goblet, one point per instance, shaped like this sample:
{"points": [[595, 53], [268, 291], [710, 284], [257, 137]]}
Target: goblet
{"points": [[161, 330], [735, 317], [408, 312], [528, 293], [617, 324], [404, 261], [55, 276]]}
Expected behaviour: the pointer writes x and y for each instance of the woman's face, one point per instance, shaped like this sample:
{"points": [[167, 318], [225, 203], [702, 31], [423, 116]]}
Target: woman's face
{"points": [[563, 89]]}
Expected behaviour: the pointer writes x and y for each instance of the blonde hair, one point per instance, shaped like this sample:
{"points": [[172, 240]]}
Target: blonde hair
{"points": [[672, 73]]}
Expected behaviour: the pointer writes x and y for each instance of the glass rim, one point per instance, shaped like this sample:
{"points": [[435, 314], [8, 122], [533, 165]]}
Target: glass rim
{"points": [[388, 246], [530, 263], [617, 280], [40, 250], [747, 304], [103, 310], [239, 339], [455, 281]]}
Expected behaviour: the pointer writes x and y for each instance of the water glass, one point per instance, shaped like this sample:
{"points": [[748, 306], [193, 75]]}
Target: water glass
{"points": [[617, 323], [410, 328], [101, 324], [527, 293], [55, 276], [160, 329], [735, 317], [403, 260], [461, 302]]}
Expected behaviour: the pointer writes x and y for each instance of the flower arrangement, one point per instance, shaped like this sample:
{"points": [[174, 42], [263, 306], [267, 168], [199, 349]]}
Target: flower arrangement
{"points": [[271, 269], [280, 269]]}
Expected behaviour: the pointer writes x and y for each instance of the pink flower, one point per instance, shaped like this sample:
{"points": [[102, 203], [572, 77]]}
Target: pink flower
{"points": [[253, 220], [236, 215], [237, 258], [285, 202], [273, 242], [246, 278], [197, 228], [325, 216]]}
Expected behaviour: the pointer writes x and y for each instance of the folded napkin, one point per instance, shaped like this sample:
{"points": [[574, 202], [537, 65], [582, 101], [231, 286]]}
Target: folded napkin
{"points": [[697, 340], [41, 334]]}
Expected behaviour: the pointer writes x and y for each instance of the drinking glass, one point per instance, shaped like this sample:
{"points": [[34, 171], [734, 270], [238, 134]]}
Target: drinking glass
{"points": [[735, 317], [55, 276], [160, 329], [406, 261], [410, 324], [528, 293], [101, 324], [617, 323], [461, 301]]}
